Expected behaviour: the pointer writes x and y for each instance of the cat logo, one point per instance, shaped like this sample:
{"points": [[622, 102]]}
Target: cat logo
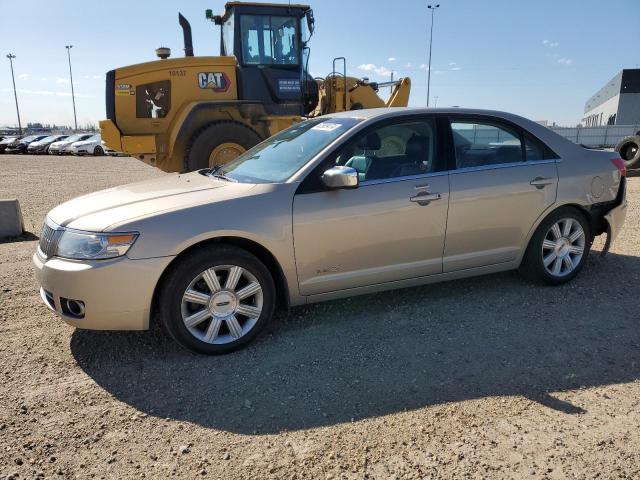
{"points": [[216, 81]]}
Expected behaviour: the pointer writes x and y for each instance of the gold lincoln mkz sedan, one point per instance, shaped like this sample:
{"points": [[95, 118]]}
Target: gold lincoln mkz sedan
{"points": [[340, 205]]}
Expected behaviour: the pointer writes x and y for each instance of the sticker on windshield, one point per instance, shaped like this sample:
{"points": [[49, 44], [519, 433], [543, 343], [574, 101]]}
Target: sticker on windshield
{"points": [[326, 126]]}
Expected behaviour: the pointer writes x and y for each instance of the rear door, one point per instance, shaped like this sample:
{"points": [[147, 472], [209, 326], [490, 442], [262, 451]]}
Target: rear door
{"points": [[503, 180]]}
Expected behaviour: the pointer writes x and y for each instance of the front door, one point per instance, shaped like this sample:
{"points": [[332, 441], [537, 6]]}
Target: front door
{"points": [[390, 228]]}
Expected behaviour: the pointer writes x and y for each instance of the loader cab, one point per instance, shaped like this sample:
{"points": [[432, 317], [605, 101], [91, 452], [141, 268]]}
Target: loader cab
{"points": [[269, 42]]}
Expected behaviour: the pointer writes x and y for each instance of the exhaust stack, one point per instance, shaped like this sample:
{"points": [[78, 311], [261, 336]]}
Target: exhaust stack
{"points": [[186, 32]]}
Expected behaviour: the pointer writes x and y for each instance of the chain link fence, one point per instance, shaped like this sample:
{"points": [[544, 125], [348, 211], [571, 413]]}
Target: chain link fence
{"points": [[602, 137]]}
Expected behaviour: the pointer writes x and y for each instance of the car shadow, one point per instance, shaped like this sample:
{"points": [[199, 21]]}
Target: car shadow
{"points": [[25, 237], [378, 354]]}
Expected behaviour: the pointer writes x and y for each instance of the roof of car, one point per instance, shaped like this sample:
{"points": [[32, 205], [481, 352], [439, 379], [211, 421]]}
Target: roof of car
{"points": [[379, 112]]}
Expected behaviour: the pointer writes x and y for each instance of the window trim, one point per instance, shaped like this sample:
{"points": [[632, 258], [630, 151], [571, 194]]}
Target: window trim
{"points": [[441, 152], [549, 156]]}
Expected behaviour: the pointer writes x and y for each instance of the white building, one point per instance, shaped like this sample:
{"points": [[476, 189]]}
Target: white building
{"points": [[617, 103]]}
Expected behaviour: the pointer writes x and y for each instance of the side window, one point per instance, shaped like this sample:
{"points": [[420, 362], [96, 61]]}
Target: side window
{"points": [[392, 151], [534, 150], [479, 143]]}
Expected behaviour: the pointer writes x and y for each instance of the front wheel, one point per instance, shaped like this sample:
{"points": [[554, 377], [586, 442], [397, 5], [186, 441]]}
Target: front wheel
{"points": [[558, 249], [217, 300], [98, 151]]}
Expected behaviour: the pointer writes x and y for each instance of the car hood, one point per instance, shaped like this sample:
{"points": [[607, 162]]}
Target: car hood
{"points": [[59, 143], [101, 210]]}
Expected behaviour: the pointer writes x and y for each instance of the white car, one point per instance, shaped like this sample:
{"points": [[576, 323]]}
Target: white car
{"points": [[89, 146], [59, 148], [111, 153]]}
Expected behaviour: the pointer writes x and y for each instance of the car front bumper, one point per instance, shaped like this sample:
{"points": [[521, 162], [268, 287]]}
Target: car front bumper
{"points": [[117, 293]]}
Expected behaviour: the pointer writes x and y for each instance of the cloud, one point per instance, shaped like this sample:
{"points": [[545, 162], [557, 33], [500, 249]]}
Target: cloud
{"points": [[565, 61], [379, 70], [455, 69], [47, 93], [549, 43], [452, 64], [23, 76], [423, 66], [391, 59], [409, 65], [62, 80], [43, 79]]}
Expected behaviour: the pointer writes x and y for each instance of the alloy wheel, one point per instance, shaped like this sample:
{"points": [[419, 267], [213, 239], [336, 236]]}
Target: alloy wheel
{"points": [[563, 247], [222, 304]]}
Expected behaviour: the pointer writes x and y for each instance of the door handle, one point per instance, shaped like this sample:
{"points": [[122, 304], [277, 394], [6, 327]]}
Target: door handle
{"points": [[541, 182], [424, 198]]}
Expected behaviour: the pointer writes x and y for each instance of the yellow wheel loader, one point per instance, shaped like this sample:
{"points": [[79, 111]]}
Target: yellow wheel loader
{"points": [[184, 114]]}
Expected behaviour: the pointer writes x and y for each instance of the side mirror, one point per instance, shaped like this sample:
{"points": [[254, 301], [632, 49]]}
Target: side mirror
{"points": [[310, 21], [340, 177]]}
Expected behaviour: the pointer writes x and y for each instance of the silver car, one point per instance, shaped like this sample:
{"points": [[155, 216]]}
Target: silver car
{"points": [[341, 205]]}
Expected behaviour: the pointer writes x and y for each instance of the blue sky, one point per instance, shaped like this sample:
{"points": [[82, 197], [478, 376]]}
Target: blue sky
{"points": [[540, 59]]}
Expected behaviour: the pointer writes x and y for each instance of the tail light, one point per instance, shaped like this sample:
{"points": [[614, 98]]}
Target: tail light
{"points": [[619, 164]]}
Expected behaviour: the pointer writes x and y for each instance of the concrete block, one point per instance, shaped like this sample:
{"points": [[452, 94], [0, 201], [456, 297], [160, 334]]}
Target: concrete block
{"points": [[11, 224]]}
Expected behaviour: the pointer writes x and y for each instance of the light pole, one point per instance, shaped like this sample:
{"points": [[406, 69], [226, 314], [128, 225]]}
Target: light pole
{"points": [[15, 94], [433, 11], [73, 97]]}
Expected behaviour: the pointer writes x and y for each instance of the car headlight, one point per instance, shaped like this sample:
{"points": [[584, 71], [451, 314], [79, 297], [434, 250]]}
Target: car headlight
{"points": [[94, 246]]}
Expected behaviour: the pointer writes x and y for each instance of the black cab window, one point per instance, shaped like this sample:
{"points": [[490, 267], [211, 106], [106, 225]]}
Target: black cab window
{"points": [[480, 143], [269, 40]]}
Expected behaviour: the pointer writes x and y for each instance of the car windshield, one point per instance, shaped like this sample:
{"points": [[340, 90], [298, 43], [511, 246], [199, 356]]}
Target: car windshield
{"points": [[282, 155], [50, 138], [29, 138], [73, 138]]}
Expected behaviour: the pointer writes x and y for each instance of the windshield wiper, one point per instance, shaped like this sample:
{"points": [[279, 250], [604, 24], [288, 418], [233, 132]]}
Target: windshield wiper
{"points": [[217, 172]]}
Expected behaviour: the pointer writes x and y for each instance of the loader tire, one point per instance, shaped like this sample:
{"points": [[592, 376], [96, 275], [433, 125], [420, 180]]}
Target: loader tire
{"points": [[218, 144], [629, 150]]}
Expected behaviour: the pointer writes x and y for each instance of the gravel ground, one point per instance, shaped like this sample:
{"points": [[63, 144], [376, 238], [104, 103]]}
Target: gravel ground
{"points": [[484, 377]]}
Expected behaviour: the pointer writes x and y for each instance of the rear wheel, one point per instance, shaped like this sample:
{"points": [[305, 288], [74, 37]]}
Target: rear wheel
{"points": [[217, 300], [220, 143], [558, 249]]}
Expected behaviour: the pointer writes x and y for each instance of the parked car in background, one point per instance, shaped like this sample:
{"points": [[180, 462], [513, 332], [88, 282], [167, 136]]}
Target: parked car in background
{"points": [[58, 148], [4, 143], [89, 146], [20, 146], [42, 146], [356, 202], [112, 153]]}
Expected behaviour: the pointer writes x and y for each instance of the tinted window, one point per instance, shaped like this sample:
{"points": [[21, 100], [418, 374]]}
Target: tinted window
{"points": [[484, 143], [392, 151], [269, 40], [533, 148]]}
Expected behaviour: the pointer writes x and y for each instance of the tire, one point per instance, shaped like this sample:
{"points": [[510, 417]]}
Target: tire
{"points": [[211, 318], [238, 137], [629, 150], [98, 151], [565, 251]]}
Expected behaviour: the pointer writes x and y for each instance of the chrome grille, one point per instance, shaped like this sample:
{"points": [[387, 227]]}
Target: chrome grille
{"points": [[48, 240]]}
